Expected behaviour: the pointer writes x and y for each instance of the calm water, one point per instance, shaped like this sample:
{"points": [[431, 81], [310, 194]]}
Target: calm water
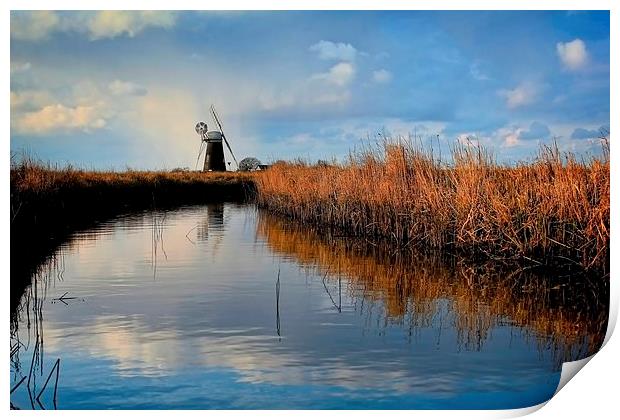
{"points": [[221, 306]]}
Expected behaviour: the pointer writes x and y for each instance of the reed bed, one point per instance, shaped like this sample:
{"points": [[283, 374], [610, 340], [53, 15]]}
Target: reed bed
{"points": [[33, 178], [553, 210]]}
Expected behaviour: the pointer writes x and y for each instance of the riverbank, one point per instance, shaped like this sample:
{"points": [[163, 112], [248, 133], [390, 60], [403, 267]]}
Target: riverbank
{"points": [[44, 197], [551, 211]]}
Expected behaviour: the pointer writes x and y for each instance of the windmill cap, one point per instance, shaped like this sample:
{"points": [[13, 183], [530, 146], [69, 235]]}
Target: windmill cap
{"points": [[214, 135]]}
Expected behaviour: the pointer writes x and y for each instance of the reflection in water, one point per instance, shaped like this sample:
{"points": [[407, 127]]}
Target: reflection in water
{"points": [[30, 374], [213, 221], [565, 313], [248, 311]]}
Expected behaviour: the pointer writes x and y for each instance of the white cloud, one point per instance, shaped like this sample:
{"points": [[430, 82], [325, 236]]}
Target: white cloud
{"points": [[112, 23], [523, 94], [340, 74], [38, 25], [120, 88], [340, 51], [573, 54], [381, 76], [506, 137], [58, 117], [517, 136], [33, 25], [85, 92], [28, 100], [42, 111], [511, 140]]}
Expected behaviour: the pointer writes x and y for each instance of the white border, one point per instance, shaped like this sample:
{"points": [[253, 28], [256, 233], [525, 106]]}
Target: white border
{"points": [[593, 394]]}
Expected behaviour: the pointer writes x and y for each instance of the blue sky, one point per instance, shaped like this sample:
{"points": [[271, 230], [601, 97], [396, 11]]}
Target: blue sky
{"points": [[117, 89]]}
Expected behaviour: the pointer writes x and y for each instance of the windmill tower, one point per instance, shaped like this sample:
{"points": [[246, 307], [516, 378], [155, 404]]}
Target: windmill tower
{"points": [[213, 139]]}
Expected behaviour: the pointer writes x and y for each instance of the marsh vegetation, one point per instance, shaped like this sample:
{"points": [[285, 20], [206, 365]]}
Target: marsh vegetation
{"points": [[553, 210]]}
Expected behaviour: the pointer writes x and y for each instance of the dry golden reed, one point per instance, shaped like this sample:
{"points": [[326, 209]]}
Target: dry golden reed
{"points": [[29, 176], [554, 209], [46, 194]]}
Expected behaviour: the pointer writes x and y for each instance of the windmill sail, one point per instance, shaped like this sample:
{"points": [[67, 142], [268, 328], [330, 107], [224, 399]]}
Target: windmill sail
{"points": [[219, 124], [199, 153]]}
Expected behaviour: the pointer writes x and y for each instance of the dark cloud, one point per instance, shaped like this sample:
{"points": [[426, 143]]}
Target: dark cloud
{"points": [[583, 133], [537, 131]]}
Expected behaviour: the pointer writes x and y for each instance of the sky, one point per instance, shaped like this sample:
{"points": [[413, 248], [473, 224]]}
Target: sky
{"points": [[119, 89]]}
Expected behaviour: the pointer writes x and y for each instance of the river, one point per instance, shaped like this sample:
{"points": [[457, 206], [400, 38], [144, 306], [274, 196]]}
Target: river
{"points": [[224, 306]]}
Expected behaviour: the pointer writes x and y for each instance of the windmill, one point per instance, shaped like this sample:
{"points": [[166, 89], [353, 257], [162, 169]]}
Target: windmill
{"points": [[214, 155]]}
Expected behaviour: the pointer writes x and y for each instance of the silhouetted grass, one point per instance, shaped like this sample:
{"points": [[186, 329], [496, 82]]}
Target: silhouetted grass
{"points": [[40, 190]]}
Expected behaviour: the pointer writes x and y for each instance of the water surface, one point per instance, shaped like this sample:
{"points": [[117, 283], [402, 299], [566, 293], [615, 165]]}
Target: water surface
{"points": [[222, 306]]}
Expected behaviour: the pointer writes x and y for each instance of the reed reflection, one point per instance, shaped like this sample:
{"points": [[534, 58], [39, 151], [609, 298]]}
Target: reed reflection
{"points": [[36, 376], [565, 313]]}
